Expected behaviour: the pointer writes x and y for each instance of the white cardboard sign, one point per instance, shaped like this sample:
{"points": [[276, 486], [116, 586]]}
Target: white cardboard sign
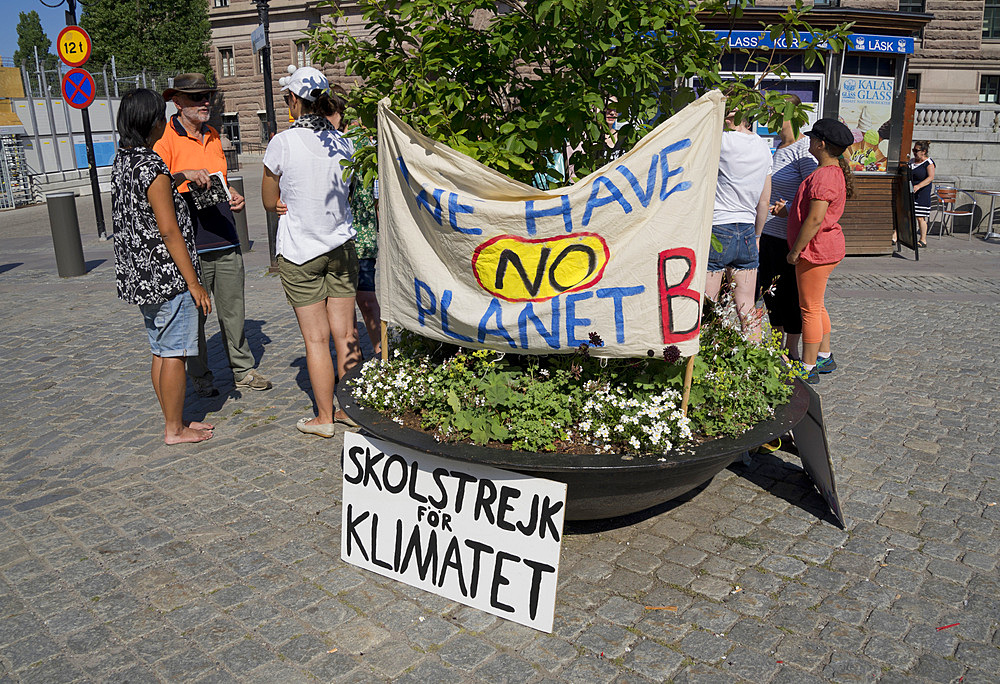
{"points": [[474, 534]]}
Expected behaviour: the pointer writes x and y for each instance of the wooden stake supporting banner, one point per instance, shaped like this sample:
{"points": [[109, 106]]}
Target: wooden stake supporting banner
{"points": [[688, 373], [385, 342]]}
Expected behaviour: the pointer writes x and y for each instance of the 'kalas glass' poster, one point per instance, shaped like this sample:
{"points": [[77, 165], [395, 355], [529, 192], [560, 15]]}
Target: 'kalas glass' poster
{"points": [[866, 108]]}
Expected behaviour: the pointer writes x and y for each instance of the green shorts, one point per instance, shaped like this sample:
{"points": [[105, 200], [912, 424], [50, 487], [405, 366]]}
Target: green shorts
{"points": [[334, 274]]}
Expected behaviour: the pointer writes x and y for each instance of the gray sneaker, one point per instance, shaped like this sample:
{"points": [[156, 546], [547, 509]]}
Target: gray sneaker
{"points": [[254, 381], [205, 386]]}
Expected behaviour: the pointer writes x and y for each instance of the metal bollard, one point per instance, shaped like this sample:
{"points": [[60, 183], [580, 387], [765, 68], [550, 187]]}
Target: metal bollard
{"points": [[236, 182], [65, 227]]}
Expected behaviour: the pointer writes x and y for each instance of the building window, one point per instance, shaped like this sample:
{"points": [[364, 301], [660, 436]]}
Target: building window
{"points": [[915, 6], [227, 64], [868, 65], [913, 83], [220, 3], [739, 62], [989, 89], [231, 129], [302, 57], [265, 137], [260, 62], [991, 20]]}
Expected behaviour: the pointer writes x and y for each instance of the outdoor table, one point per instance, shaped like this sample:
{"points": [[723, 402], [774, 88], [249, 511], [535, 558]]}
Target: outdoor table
{"points": [[992, 194]]}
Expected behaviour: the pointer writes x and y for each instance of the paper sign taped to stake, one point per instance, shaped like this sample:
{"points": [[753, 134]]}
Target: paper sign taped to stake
{"points": [[481, 536]]}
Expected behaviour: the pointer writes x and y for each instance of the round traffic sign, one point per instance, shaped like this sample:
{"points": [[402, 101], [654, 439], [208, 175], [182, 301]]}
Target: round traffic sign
{"points": [[73, 46], [78, 88]]}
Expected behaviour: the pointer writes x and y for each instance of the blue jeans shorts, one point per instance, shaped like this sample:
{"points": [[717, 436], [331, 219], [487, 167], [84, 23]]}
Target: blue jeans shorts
{"points": [[739, 247], [172, 326], [366, 275]]}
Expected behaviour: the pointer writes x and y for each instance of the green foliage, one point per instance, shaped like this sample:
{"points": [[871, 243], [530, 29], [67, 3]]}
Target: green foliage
{"points": [[546, 403], [30, 35], [169, 36], [510, 89], [735, 382]]}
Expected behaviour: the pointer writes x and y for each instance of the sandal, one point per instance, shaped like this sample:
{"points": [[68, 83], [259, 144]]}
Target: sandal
{"points": [[921, 243]]}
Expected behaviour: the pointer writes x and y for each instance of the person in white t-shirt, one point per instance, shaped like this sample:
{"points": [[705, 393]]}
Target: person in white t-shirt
{"points": [[741, 208], [317, 261]]}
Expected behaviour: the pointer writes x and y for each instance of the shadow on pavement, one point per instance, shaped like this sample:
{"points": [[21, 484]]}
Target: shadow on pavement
{"points": [[302, 379], [786, 481], [580, 527], [11, 266], [92, 264]]}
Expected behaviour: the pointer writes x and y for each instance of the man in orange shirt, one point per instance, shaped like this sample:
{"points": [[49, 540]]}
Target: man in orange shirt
{"points": [[192, 151]]}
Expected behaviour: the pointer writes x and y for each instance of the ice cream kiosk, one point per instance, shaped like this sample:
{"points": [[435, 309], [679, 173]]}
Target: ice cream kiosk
{"points": [[865, 88]]}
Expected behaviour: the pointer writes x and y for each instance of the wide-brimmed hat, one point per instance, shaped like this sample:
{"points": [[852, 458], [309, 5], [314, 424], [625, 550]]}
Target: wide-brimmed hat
{"points": [[188, 83], [303, 81], [832, 131]]}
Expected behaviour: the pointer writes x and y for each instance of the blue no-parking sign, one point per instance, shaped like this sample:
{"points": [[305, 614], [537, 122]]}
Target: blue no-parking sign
{"points": [[78, 88]]}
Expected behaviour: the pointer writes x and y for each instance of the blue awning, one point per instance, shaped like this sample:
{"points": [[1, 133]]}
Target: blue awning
{"points": [[859, 42]]}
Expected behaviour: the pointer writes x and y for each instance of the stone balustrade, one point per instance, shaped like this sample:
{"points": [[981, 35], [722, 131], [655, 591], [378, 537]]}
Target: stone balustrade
{"points": [[984, 117]]}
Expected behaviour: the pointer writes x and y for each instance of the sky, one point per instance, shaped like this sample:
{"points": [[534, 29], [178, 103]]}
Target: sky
{"points": [[53, 21]]}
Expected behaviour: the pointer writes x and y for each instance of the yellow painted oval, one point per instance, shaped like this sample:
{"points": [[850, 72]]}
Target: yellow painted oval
{"points": [[533, 270]]}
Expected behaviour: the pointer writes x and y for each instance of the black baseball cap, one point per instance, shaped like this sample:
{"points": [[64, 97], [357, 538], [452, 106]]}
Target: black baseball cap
{"points": [[833, 132]]}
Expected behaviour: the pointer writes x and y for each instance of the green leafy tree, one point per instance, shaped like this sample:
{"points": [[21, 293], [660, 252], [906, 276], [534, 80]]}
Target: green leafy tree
{"points": [[30, 35], [167, 36], [509, 87]]}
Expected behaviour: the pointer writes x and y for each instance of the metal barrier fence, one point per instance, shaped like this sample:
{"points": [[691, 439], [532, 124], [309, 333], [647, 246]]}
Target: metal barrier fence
{"points": [[41, 82], [15, 179]]}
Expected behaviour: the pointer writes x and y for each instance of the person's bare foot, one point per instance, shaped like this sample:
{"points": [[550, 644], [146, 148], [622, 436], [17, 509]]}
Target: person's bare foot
{"points": [[187, 435], [198, 425]]}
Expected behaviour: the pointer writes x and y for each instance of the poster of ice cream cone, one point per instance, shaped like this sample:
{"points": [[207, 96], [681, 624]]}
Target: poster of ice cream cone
{"points": [[866, 108]]}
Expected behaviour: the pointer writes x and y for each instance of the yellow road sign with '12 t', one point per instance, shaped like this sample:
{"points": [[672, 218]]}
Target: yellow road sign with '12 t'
{"points": [[73, 46]]}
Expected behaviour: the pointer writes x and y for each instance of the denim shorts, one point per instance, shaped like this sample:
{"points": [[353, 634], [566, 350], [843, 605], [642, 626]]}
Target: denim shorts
{"points": [[366, 275], [739, 247], [172, 326]]}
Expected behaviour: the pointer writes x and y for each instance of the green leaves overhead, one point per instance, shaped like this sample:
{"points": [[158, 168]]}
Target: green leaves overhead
{"points": [[509, 89]]}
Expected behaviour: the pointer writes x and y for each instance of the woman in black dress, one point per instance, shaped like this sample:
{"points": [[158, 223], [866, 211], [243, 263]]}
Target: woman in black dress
{"points": [[922, 173]]}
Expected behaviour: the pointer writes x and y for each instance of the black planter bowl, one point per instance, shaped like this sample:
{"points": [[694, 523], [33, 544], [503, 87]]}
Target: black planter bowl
{"points": [[598, 485]]}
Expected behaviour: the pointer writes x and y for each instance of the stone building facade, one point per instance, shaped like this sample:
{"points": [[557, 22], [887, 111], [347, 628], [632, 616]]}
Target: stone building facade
{"points": [[956, 72], [240, 111]]}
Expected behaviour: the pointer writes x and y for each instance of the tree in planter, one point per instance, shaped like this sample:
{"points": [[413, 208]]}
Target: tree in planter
{"points": [[509, 83]]}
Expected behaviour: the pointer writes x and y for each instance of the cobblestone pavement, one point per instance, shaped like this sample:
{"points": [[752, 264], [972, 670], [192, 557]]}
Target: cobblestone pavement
{"points": [[125, 560]]}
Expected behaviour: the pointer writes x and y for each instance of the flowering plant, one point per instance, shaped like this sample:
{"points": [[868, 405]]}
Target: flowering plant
{"points": [[581, 402]]}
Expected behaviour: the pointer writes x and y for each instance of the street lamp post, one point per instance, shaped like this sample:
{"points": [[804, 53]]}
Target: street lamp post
{"points": [[272, 124]]}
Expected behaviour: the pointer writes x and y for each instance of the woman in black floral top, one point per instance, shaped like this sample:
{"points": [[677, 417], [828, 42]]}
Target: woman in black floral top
{"points": [[155, 257]]}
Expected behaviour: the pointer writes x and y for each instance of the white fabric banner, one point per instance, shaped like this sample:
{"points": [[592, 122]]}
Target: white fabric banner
{"points": [[474, 258]]}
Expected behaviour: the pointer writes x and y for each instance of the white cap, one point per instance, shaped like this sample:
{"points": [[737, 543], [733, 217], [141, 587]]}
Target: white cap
{"points": [[303, 81]]}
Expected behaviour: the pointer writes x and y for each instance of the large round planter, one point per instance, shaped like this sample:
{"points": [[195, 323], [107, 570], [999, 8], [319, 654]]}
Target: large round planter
{"points": [[598, 485]]}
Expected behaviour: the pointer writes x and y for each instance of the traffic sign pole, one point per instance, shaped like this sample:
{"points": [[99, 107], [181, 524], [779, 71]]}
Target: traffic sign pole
{"points": [[74, 47], [95, 185]]}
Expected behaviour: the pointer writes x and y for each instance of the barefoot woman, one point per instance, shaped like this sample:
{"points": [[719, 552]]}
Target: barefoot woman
{"points": [[155, 257]]}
